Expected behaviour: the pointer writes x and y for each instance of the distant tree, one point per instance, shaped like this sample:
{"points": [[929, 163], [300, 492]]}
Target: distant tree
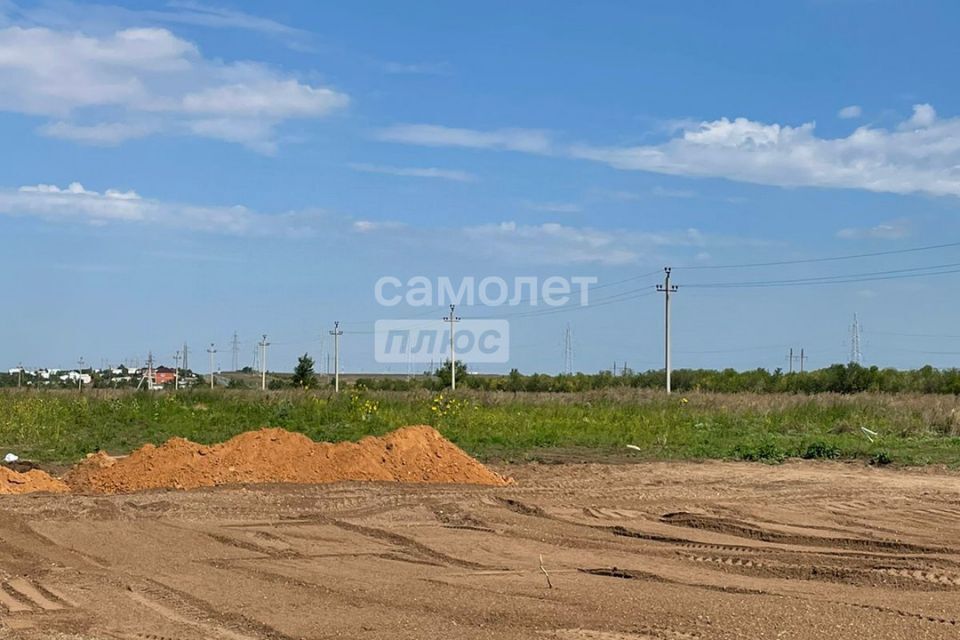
{"points": [[514, 381], [444, 373], [303, 374]]}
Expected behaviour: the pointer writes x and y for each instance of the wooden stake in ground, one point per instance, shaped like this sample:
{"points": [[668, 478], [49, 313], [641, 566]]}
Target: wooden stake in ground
{"points": [[545, 574]]}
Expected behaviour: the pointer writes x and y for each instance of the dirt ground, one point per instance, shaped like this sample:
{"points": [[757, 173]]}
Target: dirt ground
{"points": [[633, 552]]}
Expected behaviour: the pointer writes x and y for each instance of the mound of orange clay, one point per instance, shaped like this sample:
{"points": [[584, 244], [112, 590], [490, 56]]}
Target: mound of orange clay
{"points": [[410, 454], [33, 481]]}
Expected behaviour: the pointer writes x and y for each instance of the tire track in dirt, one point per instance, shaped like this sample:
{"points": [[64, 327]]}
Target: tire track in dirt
{"points": [[630, 574], [639, 633], [741, 529], [208, 629], [901, 613], [182, 608], [266, 550], [825, 573], [10, 602], [20, 595], [647, 576], [410, 546], [34, 595], [923, 576]]}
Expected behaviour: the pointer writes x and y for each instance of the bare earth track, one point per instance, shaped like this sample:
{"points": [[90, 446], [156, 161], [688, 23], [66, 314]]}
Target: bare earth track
{"points": [[634, 552]]}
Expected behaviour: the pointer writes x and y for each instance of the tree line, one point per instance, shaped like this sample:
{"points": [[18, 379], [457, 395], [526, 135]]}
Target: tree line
{"points": [[837, 378]]}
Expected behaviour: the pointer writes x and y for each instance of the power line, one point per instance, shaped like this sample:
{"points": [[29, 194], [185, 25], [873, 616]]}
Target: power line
{"points": [[928, 353], [624, 296], [853, 256], [915, 335], [519, 301], [891, 274], [734, 350]]}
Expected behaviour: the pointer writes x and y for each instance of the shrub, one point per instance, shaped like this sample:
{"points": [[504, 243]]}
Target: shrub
{"points": [[821, 450], [767, 451]]}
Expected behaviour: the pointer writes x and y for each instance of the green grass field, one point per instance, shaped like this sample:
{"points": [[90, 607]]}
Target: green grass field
{"points": [[60, 427]]}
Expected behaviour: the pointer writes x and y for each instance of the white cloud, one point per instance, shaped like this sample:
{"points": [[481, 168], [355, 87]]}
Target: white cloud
{"points": [[850, 112], [135, 82], [105, 133], [554, 243], [198, 14], [550, 243], [525, 140], [923, 116], [268, 96], [415, 172], [370, 226], [89, 16], [553, 207], [615, 194], [894, 230], [75, 203], [922, 155]]}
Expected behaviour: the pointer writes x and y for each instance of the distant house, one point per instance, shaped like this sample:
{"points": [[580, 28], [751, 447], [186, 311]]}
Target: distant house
{"points": [[164, 375]]}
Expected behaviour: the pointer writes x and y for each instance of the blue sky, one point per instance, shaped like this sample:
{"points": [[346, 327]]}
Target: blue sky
{"points": [[257, 167]]}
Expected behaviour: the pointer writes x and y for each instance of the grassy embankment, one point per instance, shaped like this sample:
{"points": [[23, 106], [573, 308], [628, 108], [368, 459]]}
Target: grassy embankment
{"points": [[913, 429]]}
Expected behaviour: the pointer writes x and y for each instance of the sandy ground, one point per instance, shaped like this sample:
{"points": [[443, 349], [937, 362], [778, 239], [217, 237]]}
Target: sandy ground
{"points": [[633, 552]]}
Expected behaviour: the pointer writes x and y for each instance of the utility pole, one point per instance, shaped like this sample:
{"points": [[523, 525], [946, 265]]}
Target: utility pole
{"points": [[336, 333], [212, 350], [186, 351], [263, 362], [176, 371], [790, 359], [151, 384], [802, 358], [235, 348], [666, 288], [80, 374], [453, 320], [19, 375]]}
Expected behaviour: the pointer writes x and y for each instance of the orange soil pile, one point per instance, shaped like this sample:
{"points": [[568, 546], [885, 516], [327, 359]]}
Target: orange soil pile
{"points": [[33, 481], [411, 454]]}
